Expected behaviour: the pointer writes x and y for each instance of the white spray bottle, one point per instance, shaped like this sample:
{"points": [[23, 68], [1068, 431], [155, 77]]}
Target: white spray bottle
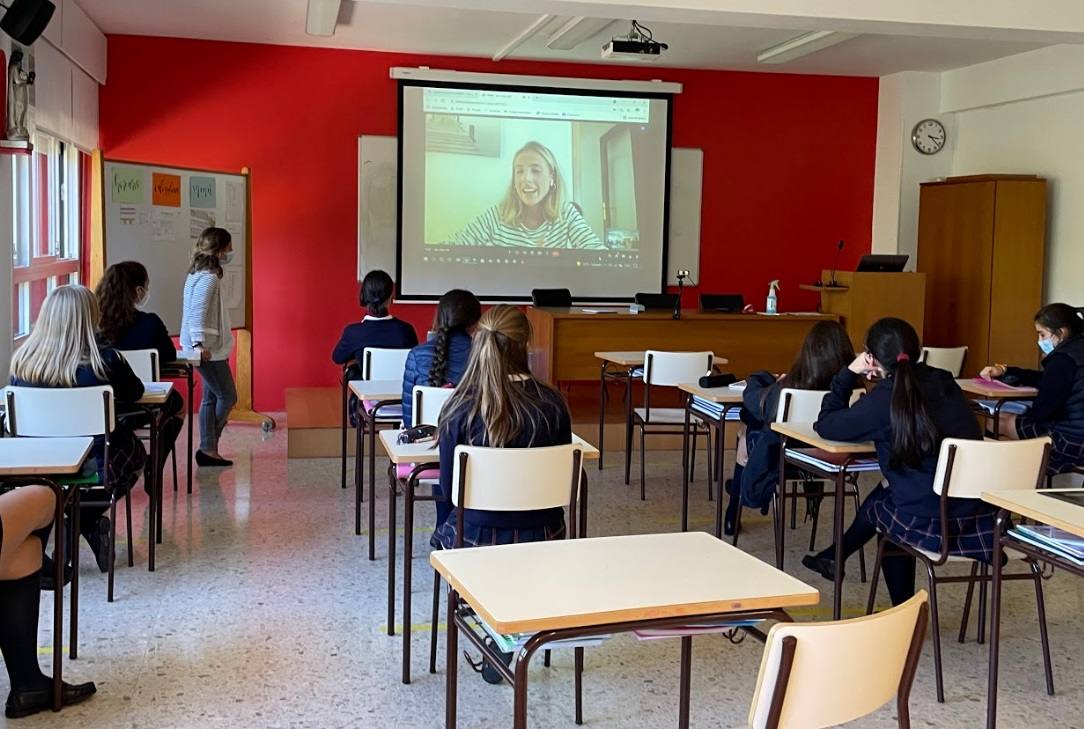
{"points": [[773, 299]]}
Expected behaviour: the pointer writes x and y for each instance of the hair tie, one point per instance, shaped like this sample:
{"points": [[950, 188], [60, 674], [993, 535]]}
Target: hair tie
{"points": [[903, 357]]}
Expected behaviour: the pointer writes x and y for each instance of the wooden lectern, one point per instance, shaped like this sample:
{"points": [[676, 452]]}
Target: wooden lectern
{"points": [[862, 298]]}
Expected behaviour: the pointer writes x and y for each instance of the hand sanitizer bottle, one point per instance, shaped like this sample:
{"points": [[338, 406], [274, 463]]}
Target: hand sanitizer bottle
{"points": [[772, 297]]}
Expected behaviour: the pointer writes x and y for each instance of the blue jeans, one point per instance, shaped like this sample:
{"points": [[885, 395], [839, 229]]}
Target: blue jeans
{"points": [[219, 397]]}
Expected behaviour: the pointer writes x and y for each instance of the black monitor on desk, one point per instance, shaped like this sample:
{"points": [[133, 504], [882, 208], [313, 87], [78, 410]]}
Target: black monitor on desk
{"points": [[882, 263]]}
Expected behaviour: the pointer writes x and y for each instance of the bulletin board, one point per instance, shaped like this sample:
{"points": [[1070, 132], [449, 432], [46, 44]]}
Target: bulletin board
{"points": [[154, 214]]}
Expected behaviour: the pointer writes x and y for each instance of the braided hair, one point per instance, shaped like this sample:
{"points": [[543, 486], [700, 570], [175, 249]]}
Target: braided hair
{"points": [[458, 310]]}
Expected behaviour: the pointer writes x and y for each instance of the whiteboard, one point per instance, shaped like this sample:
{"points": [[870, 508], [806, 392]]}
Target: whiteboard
{"points": [[154, 214], [378, 192]]}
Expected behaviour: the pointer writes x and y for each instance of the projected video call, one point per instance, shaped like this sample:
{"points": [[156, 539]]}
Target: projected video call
{"points": [[542, 184]]}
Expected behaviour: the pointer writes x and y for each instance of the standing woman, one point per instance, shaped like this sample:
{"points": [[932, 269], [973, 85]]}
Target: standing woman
{"points": [[205, 327], [1058, 409]]}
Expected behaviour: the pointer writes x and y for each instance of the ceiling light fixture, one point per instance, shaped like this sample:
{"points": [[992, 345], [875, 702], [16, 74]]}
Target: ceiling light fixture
{"points": [[802, 45], [540, 22], [322, 17], [576, 31]]}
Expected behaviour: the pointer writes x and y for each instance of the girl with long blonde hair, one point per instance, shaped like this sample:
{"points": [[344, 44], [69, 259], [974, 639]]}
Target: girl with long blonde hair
{"points": [[62, 351], [499, 403]]}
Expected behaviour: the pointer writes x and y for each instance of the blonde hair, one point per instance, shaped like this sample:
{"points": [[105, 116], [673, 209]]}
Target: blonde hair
{"points": [[63, 339], [492, 388], [511, 208], [209, 247]]}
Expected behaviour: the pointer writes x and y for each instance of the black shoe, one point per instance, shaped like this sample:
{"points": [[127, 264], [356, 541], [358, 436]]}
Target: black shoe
{"points": [[48, 574], [823, 566], [205, 460], [25, 703], [103, 550]]}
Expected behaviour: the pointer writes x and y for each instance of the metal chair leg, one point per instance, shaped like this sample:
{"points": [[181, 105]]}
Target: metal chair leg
{"points": [[1044, 637], [433, 625], [984, 572], [875, 578], [173, 457], [935, 624], [579, 685], [128, 516], [546, 658], [112, 547], [692, 454], [967, 603], [643, 465]]}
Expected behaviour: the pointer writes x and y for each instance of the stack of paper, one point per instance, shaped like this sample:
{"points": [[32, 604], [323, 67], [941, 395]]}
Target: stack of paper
{"points": [[1015, 407], [157, 388], [699, 629], [1052, 539], [513, 642], [715, 409]]}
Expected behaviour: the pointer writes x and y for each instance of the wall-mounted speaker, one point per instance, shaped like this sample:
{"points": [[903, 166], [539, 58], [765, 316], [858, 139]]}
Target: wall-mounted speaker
{"points": [[25, 20]]}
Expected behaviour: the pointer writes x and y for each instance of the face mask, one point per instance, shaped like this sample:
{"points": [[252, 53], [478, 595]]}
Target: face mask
{"points": [[225, 258], [1047, 345]]}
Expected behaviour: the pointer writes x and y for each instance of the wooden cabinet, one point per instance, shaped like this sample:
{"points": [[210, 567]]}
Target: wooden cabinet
{"points": [[864, 297], [981, 244]]}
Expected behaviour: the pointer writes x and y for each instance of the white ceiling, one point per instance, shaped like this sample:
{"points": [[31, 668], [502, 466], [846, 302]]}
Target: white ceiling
{"points": [[440, 28]]}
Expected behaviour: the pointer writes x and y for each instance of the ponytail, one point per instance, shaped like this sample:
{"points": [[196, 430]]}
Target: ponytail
{"points": [[894, 343], [376, 290]]}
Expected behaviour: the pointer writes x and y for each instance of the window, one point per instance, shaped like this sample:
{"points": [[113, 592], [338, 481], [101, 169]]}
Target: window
{"points": [[48, 225]]}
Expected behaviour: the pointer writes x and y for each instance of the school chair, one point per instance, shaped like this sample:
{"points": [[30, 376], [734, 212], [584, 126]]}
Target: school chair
{"points": [[546, 478], [666, 369], [144, 363], [965, 469], [872, 659], [950, 359], [804, 406], [66, 412]]}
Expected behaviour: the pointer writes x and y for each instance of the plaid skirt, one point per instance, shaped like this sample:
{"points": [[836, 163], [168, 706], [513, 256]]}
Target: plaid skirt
{"points": [[1066, 453], [126, 460], [969, 536], [482, 536]]}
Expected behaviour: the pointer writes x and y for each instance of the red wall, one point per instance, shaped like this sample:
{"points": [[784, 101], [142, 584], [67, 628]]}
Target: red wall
{"points": [[788, 161]]}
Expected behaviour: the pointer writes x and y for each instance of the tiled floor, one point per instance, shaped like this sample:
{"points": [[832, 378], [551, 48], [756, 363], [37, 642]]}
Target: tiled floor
{"points": [[265, 613]]}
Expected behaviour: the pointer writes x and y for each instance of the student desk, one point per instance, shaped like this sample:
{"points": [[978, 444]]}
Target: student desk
{"points": [[833, 460], [997, 392], [623, 366], [1042, 508], [152, 402], [730, 402], [183, 367], [44, 460], [579, 588], [382, 393], [423, 458]]}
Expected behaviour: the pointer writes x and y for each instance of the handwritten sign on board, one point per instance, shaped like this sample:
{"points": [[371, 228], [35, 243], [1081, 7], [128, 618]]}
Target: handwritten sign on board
{"points": [[166, 190], [127, 185], [201, 192]]}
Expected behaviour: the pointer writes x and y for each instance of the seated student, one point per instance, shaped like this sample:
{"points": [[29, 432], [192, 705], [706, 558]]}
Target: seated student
{"points": [[906, 415], [499, 403], [825, 350], [26, 513], [1058, 409], [123, 288], [377, 328], [62, 351]]}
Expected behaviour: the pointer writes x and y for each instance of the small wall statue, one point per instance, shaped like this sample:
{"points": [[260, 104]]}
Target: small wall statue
{"points": [[19, 82]]}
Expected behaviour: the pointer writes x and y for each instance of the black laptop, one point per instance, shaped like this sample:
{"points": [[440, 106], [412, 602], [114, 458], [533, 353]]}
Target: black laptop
{"points": [[882, 263]]}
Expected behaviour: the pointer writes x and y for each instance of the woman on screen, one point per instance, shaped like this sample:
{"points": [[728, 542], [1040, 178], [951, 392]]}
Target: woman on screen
{"points": [[534, 212]]}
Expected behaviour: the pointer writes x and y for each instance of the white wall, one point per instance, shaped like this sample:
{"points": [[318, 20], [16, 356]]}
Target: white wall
{"points": [[1042, 136]]}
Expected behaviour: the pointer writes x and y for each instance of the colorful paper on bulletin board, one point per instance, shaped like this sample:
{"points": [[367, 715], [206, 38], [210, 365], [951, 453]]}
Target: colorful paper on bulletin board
{"points": [[127, 185], [166, 190], [201, 192]]}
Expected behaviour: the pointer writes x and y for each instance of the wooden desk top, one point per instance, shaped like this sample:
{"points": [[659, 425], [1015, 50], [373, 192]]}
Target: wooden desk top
{"points": [[527, 588], [1043, 509], [996, 390], [576, 312], [43, 456], [635, 359], [155, 393], [399, 453], [721, 395], [377, 389], [805, 433]]}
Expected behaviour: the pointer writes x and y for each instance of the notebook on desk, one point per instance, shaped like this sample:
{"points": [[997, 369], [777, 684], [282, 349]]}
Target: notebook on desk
{"points": [[157, 388]]}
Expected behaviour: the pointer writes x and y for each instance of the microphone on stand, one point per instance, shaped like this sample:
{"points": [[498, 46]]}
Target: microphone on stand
{"points": [[835, 264], [681, 276]]}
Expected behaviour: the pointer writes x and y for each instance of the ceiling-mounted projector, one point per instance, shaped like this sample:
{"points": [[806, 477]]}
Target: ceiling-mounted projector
{"points": [[638, 45]]}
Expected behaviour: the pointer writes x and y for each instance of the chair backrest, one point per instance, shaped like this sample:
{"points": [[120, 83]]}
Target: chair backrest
{"points": [[516, 479], [60, 412], [966, 468], [427, 404], [722, 302], [558, 298], [871, 660], [944, 358], [144, 362], [383, 364], [656, 301], [799, 406], [670, 369]]}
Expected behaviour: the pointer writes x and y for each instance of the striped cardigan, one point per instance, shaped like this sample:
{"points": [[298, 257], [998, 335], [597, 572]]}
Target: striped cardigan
{"points": [[204, 317]]}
